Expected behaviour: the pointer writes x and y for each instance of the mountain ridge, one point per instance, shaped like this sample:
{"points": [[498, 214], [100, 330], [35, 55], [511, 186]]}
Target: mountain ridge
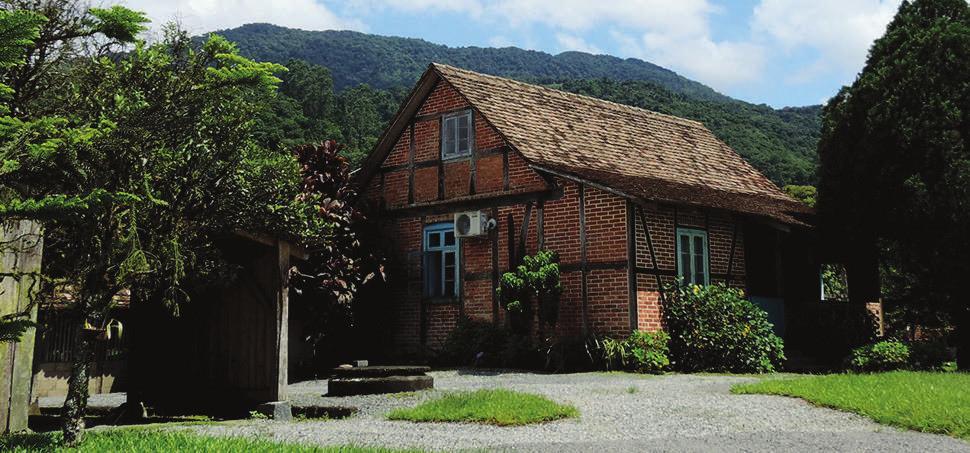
{"points": [[779, 142]]}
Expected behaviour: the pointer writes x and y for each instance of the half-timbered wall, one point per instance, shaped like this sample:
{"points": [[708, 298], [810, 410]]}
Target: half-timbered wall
{"points": [[656, 253], [603, 269]]}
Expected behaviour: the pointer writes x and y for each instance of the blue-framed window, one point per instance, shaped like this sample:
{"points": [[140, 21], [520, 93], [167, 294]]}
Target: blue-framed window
{"points": [[440, 260], [692, 256]]}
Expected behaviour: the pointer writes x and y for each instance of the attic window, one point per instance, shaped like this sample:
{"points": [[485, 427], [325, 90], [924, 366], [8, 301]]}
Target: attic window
{"points": [[456, 135]]}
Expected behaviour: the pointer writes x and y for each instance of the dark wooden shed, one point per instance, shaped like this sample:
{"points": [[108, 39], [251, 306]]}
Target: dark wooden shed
{"points": [[227, 350]]}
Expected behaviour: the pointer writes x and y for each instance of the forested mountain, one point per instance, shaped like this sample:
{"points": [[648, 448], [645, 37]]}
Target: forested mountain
{"points": [[389, 62], [367, 76]]}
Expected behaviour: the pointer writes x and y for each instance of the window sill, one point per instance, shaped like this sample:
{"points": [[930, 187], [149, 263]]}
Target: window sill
{"points": [[456, 158], [440, 300]]}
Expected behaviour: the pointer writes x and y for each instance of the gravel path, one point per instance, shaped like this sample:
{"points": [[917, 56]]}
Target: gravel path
{"points": [[665, 413]]}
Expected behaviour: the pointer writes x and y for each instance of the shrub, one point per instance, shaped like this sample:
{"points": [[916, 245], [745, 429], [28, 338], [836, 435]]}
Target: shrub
{"points": [[929, 355], [880, 356], [536, 278], [714, 328], [474, 342], [844, 326], [643, 352]]}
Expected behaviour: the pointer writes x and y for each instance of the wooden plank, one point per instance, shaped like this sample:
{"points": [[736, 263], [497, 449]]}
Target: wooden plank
{"points": [[631, 253], [510, 227], [493, 236], [584, 285], [20, 267], [540, 228], [524, 235], [505, 169], [411, 164], [653, 255], [734, 244], [473, 156]]}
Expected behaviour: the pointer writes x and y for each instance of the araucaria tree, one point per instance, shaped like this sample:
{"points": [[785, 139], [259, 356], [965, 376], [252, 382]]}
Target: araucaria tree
{"points": [[133, 160], [895, 161]]}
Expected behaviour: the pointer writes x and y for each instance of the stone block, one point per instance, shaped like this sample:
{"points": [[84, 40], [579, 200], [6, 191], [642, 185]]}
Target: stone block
{"points": [[276, 410]]}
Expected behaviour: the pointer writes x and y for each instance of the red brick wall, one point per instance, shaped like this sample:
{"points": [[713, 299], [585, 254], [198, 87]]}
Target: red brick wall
{"points": [[489, 160], [720, 229], [607, 278]]}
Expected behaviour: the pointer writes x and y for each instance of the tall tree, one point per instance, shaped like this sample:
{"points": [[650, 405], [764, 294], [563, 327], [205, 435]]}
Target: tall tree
{"points": [[894, 159], [152, 156]]}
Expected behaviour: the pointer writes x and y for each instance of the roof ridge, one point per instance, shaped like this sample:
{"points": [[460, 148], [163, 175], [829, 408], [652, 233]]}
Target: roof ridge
{"points": [[595, 100]]}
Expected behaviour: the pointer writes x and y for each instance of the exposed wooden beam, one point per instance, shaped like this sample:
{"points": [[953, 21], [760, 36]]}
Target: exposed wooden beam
{"points": [[584, 284], [631, 249]]}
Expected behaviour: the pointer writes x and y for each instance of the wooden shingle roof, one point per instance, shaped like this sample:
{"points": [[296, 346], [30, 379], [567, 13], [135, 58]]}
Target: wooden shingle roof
{"points": [[635, 152]]}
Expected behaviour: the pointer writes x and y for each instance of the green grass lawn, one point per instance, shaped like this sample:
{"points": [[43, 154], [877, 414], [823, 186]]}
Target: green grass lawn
{"points": [[922, 401], [149, 440], [494, 407]]}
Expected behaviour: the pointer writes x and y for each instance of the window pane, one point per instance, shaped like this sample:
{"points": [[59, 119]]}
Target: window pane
{"points": [[448, 137], [449, 238], [463, 128], [434, 239], [450, 271], [685, 255], [699, 260], [433, 274]]}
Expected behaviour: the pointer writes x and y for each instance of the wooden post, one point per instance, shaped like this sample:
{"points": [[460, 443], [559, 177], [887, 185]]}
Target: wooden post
{"points": [[282, 321], [20, 279]]}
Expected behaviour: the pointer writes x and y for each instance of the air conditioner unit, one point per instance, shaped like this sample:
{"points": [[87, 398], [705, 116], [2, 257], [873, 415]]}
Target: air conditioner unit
{"points": [[470, 224]]}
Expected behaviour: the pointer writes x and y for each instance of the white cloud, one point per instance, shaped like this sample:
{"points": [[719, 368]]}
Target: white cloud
{"points": [[200, 16], [841, 31], [673, 33], [573, 42]]}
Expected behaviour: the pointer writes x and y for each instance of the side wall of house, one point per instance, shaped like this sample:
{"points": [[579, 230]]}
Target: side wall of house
{"points": [[416, 188], [656, 253]]}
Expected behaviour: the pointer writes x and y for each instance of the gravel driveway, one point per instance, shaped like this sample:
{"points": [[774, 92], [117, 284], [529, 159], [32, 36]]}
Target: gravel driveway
{"points": [[664, 413]]}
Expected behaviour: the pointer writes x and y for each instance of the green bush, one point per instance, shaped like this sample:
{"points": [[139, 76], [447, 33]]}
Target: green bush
{"points": [[884, 355], [642, 352], [929, 355], [714, 328], [844, 326], [474, 342]]}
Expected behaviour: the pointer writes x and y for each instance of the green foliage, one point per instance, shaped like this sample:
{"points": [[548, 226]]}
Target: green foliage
{"points": [[714, 328], [389, 62], [927, 402], [474, 342], [884, 355], [537, 277], [14, 327], [805, 194], [929, 355], [138, 440], [118, 23], [844, 325], [305, 109], [493, 407], [835, 283], [642, 352], [895, 163]]}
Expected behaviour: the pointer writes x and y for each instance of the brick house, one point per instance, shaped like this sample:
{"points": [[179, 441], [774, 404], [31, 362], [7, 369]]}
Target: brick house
{"points": [[629, 199]]}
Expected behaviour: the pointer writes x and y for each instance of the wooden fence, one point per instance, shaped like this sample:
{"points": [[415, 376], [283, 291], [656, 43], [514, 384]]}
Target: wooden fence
{"points": [[21, 247]]}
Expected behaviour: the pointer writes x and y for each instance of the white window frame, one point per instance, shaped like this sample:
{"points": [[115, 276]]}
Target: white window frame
{"points": [[691, 278], [454, 152], [440, 229]]}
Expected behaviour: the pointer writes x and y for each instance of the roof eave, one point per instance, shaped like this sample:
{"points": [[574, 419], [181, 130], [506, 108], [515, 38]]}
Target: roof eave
{"points": [[402, 118]]}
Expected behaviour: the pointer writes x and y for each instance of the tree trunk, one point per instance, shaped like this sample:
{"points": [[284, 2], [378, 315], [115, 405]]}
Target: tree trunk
{"points": [[963, 340], [77, 386]]}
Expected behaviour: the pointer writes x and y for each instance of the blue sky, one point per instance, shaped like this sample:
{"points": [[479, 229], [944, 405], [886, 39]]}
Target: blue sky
{"points": [[777, 52]]}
